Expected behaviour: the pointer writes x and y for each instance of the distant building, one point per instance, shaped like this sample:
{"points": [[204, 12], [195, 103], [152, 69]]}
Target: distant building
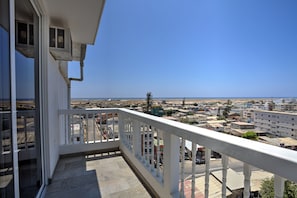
{"points": [[240, 128], [285, 142], [248, 115], [242, 125], [286, 107], [280, 124], [216, 127]]}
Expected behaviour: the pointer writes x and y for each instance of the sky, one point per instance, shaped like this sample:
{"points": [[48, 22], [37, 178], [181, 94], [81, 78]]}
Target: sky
{"points": [[192, 48]]}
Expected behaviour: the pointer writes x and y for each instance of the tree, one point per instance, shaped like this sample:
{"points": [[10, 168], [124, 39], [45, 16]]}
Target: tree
{"points": [[271, 106], [226, 111], [251, 135], [267, 189], [148, 102]]}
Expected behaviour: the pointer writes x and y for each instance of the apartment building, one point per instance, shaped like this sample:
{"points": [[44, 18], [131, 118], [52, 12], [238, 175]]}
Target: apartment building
{"points": [[281, 124]]}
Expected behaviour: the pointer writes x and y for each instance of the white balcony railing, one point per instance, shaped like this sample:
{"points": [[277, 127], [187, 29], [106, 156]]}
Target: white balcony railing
{"points": [[155, 147]]}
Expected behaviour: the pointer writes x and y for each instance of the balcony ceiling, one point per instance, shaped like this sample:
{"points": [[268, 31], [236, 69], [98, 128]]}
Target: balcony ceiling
{"points": [[81, 17]]}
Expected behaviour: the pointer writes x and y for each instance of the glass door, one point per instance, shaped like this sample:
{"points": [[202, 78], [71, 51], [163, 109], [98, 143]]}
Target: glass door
{"points": [[6, 146], [27, 98]]}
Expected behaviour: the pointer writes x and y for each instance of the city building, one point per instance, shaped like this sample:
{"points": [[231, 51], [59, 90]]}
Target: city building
{"points": [[286, 107], [282, 124], [248, 115], [242, 125]]}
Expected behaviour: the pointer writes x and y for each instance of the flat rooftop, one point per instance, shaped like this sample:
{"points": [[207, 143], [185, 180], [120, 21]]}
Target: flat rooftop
{"points": [[96, 175]]}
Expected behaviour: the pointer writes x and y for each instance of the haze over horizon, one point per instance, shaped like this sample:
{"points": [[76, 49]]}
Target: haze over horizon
{"points": [[192, 49]]}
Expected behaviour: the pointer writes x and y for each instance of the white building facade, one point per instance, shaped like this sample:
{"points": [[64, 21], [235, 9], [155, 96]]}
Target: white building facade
{"points": [[280, 124]]}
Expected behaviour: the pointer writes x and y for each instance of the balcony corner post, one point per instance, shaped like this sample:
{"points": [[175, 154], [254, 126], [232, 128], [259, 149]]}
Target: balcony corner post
{"points": [[171, 165]]}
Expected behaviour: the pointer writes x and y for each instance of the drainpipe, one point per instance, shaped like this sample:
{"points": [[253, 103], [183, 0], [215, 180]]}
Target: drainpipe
{"points": [[83, 48], [68, 80], [82, 57]]}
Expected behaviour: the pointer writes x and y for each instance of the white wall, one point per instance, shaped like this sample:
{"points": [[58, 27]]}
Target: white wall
{"points": [[57, 99]]}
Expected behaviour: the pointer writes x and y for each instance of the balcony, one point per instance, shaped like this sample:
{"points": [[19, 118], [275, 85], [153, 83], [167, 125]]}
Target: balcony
{"points": [[155, 149]]}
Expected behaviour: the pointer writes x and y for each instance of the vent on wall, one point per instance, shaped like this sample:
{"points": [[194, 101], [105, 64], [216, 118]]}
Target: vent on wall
{"points": [[60, 43]]}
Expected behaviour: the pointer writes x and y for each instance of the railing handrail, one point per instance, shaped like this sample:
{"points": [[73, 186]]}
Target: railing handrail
{"points": [[82, 111], [280, 161]]}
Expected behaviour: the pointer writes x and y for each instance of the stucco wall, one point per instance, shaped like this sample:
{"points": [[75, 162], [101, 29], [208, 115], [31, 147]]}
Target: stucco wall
{"points": [[57, 99]]}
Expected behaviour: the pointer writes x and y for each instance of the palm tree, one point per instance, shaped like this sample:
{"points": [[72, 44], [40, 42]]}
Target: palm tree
{"points": [[148, 102]]}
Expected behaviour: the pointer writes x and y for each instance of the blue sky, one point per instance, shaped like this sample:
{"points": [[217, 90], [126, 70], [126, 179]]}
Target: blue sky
{"points": [[192, 48]]}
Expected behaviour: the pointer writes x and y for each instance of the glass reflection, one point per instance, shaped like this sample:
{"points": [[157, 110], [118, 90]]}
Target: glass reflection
{"points": [[27, 86], [6, 148]]}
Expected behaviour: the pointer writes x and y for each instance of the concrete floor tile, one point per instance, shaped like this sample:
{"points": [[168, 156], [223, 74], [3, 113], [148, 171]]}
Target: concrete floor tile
{"points": [[95, 176]]}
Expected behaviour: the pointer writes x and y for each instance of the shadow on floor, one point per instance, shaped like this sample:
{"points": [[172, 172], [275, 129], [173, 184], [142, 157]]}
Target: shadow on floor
{"points": [[72, 179]]}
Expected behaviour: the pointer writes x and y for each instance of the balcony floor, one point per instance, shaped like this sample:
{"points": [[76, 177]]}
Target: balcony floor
{"points": [[99, 175]]}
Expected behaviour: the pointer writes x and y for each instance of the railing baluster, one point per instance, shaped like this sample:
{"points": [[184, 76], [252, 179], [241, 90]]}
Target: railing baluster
{"points": [[100, 127], [279, 186], [113, 133], [247, 180], [143, 143], [147, 148], [66, 125], [182, 191], [224, 175], [194, 150], [136, 139], [152, 146], [72, 129], [158, 154], [81, 130], [26, 132], [85, 129], [207, 171], [130, 135], [171, 164]]}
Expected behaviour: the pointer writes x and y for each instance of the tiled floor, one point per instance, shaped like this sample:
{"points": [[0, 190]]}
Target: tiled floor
{"points": [[100, 175]]}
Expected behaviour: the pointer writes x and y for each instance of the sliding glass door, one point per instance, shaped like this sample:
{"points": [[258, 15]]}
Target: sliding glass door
{"points": [[6, 146], [27, 98]]}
